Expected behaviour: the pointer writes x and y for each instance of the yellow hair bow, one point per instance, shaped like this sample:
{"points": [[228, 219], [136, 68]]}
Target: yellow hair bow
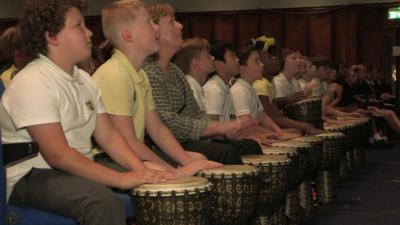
{"points": [[268, 42]]}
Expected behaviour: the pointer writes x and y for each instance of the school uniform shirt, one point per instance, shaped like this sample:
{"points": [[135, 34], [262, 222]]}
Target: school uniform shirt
{"points": [[283, 87], [264, 88], [245, 99], [125, 91], [197, 91], [42, 93], [218, 100]]}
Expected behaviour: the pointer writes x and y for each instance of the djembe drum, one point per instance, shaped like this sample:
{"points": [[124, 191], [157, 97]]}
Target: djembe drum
{"points": [[316, 150], [332, 148], [235, 193], [361, 127], [304, 151], [273, 170], [292, 154], [326, 185], [346, 158], [327, 178], [302, 187], [176, 202], [308, 110]]}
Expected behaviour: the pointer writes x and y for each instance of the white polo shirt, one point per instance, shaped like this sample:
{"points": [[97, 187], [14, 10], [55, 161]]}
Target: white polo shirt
{"points": [[197, 91], [218, 100], [283, 87], [245, 99], [43, 93]]}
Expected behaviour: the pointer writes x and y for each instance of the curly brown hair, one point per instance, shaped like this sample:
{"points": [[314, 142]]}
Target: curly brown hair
{"points": [[41, 16]]}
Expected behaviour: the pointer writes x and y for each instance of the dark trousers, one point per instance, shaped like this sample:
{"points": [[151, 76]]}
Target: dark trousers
{"points": [[224, 151], [85, 201]]}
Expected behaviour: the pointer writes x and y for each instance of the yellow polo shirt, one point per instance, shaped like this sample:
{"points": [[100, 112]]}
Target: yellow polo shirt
{"points": [[6, 76], [125, 91], [264, 87]]}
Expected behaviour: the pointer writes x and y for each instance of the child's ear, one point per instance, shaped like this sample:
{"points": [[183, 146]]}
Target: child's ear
{"points": [[127, 35], [52, 40], [193, 64]]}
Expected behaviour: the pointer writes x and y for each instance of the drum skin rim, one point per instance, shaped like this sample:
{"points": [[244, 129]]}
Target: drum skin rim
{"points": [[331, 134], [229, 170], [265, 159], [292, 144], [180, 186], [279, 151], [310, 139], [306, 100]]}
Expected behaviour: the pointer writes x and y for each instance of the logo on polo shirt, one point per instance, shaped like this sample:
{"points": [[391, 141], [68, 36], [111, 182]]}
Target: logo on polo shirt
{"points": [[90, 105]]}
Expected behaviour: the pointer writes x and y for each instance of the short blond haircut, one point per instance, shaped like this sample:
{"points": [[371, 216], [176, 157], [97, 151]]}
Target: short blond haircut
{"points": [[117, 14], [190, 49], [158, 11]]}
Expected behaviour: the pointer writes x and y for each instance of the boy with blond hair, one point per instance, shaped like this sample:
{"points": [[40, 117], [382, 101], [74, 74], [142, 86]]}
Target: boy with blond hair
{"points": [[54, 103], [126, 92]]}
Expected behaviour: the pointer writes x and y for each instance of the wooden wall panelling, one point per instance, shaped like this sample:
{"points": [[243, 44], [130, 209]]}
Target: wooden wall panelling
{"points": [[94, 25], [345, 37], [185, 20], [225, 28], [320, 36], [296, 33], [201, 26], [271, 25], [248, 28]]}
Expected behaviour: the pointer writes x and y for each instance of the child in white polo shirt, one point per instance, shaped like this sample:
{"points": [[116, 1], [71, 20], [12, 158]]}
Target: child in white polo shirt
{"points": [[55, 104], [245, 100]]}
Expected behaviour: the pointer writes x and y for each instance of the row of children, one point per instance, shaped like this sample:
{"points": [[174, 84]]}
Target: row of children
{"points": [[151, 106]]}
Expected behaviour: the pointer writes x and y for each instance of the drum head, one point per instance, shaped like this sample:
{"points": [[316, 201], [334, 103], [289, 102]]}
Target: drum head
{"points": [[279, 151], [179, 186], [310, 139], [265, 159], [332, 135], [292, 144], [229, 170]]}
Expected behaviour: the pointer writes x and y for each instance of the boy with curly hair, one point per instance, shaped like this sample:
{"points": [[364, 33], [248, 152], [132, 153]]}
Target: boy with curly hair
{"points": [[55, 104]]}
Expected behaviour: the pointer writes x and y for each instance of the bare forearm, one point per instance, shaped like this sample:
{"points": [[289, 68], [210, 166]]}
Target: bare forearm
{"points": [[73, 162], [168, 143], [285, 122], [268, 123], [116, 147]]}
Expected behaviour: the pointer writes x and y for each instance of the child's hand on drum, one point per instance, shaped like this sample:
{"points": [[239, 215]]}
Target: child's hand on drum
{"points": [[312, 130], [195, 166], [145, 176], [284, 136], [263, 140]]}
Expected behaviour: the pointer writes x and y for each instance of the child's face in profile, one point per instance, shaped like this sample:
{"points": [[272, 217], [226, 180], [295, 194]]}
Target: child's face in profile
{"points": [[311, 70], [206, 62], [231, 63], [74, 39], [292, 63], [147, 32], [254, 67]]}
